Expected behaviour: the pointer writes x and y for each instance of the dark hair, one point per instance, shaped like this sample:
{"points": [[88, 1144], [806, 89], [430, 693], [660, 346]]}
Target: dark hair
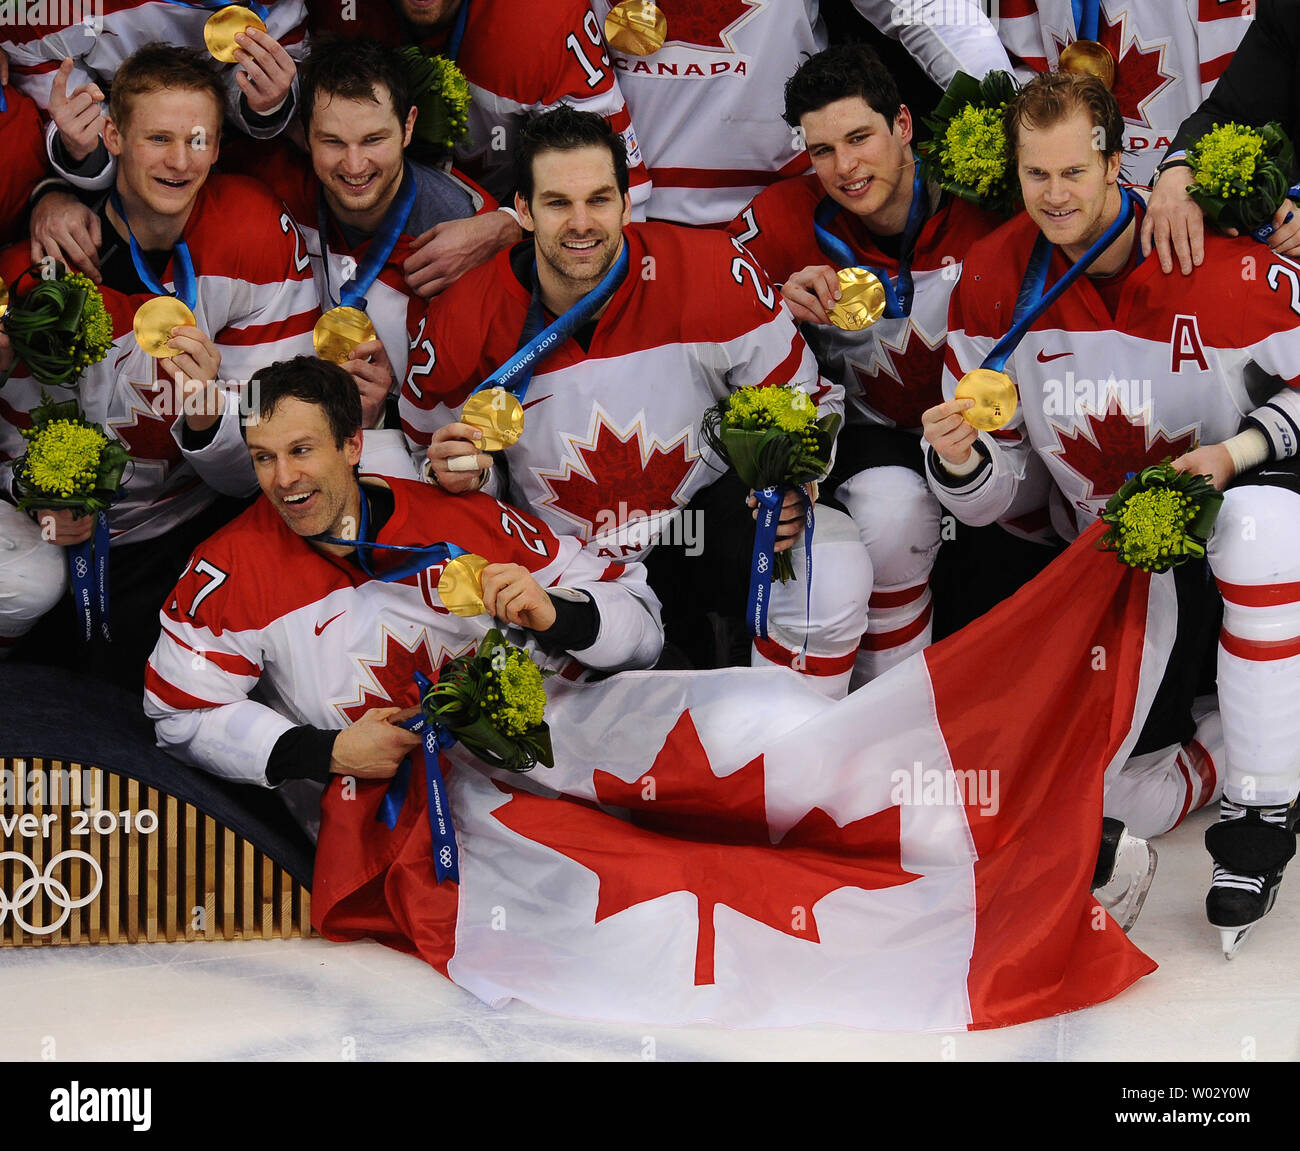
{"points": [[313, 381], [839, 73], [564, 129], [351, 70], [1052, 97], [159, 66]]}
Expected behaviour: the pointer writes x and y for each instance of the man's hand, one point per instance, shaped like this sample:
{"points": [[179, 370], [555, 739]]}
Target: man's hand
{"points": [[64, 229], [369, 365], [811, 293], [440, 256], [266, 73], [64, 527], [1286, 240], [373, 747], [511, 594], [1210, 460], [457, 442], [200, 364], [946, 430], [789, 527], [77, 113], [1174, 223]]}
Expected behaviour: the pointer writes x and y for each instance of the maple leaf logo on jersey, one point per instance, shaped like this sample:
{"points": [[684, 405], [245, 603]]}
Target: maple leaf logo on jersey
{"points": [[147, 434], [906, 379], [1139, 75], [705, 23], [612, 468], [1105, 449], [391, 676], [672, 844]]}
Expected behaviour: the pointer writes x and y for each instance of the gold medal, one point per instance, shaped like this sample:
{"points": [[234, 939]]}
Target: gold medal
{"points": [[4, 298], [153, 324], [497, 414], [340, 330], [461, 586], [637, 27], [995, 398], [861, 302], [1088, 58], [224, 25]]}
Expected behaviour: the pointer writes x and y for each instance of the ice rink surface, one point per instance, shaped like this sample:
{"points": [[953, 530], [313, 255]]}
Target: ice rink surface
{"points": [[314, 1000]]}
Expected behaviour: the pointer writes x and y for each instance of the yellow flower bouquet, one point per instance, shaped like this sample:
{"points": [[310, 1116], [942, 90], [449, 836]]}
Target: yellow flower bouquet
{"points": [[1160, 518], [1240, 174], [69, 463]]}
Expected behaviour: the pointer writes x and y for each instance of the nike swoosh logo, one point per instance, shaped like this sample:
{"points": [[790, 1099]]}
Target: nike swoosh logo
{"points": [[320, 627], [539, 400], [1043, 358]]}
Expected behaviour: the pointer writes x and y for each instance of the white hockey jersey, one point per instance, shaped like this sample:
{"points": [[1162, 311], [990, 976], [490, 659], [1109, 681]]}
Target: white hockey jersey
{"points": [[257, 304], [329, 644], [707, 106], [1184, 362], [611, 443], [99, 35], [1168, 55], [892, 371]]}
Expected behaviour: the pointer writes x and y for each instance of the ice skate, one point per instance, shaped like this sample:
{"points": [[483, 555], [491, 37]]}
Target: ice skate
{"points": [[1125, 868], [1251, 847]]}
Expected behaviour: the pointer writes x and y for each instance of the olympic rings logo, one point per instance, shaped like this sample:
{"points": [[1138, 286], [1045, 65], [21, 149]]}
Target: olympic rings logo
{"points": [[56, 892], [762, 562], [81, 567], [444, 857]]}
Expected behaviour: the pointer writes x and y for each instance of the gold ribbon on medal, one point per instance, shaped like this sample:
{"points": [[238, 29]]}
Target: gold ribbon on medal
{"points": [[498, 414], [153, 324], [637, 27], [862, 300], [340, 330], [460, 587], [995, 398], [224, 25], [1088, 58]]}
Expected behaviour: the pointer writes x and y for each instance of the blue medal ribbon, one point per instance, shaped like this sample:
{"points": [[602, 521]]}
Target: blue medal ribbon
{"points": [[446, 856], [898, 294], [259, 10], [1263, 232], [458, 32], [352, 293], [1087, 18], [1031, 302], [764, 558], [88, 571], [536, 342], [187, 289], [419, 559]]}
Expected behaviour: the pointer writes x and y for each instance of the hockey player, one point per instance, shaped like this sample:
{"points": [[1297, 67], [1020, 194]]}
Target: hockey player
{"points": [[1191, 391], [610, 450], [707, 105], [1167, 56], [229, 250], [330, 633], [866, 205], [520, 59]]}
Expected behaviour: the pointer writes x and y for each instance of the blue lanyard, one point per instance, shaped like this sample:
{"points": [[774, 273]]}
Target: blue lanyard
{"points": [[1032, 303], [898, 295], [1087, 14], [352, 292], [458, 33], [536, 344], [88, 574], [420, 558], [187, 290]]}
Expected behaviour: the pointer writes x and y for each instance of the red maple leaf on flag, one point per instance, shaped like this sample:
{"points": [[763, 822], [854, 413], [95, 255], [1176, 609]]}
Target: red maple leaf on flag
{"points": [[710, 836], [392, 674], [1110, 446], [1138, 72], [146, 434], [702, 23], [911, 383], [616, 469]]}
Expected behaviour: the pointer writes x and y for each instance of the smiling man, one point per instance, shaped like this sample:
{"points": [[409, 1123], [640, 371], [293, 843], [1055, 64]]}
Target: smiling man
{"points": [[865, 206], [659, 323], [1125, 368], [226, 247], [332, 650]]}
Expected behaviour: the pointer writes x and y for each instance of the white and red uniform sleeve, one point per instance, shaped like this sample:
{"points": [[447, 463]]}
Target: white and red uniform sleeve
{"points": [[942, 36]]}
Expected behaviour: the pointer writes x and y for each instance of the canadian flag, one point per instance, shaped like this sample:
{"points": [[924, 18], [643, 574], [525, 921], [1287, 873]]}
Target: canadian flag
{"points": [[731, 846]]}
